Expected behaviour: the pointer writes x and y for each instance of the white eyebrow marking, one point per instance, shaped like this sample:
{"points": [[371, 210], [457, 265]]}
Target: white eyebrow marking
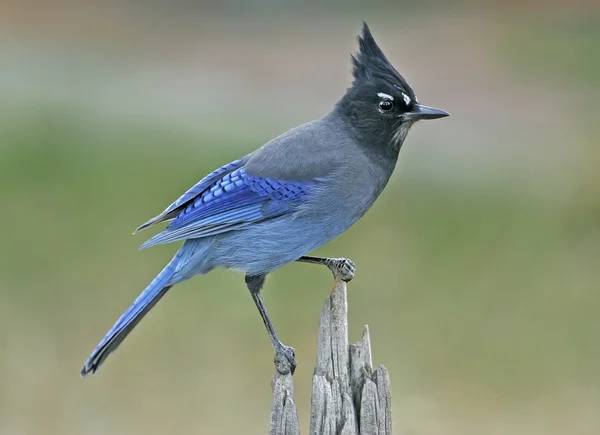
{"points": [[407, 99], [382, 95]]}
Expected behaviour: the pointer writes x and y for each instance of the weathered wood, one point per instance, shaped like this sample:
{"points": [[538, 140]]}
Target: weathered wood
{"points": [[284, 418], [348, 397]]}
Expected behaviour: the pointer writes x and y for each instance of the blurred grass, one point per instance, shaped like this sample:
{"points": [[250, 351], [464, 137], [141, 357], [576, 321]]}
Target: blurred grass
{"points": [[480, 299], [560, 48]]}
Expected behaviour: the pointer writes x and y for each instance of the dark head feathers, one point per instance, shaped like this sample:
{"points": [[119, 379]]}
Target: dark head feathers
{"points": [[370, 63]]}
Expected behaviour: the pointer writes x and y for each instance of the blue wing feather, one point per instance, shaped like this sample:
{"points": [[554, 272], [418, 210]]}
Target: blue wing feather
{"points": [[175, 208], [229, 203]]}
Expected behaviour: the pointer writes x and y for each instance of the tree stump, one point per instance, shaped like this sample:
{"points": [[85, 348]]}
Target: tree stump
{"points": [[348, 397]]}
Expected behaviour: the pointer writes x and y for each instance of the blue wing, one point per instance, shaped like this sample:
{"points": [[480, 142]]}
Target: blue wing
{"points": [[174, 209], [231, 200]]}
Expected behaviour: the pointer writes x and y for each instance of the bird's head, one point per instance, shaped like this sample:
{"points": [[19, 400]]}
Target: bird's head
{"points": [[380, 105]]}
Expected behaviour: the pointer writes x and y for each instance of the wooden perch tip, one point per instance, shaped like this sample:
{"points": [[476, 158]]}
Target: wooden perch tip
{"points": [[348, 397]]}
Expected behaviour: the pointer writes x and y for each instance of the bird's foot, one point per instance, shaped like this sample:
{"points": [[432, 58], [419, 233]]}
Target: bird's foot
{"points": [[285, 359], [341, 267]]}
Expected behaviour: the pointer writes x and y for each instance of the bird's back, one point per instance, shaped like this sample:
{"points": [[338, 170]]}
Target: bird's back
{"points": [[345, 181]]}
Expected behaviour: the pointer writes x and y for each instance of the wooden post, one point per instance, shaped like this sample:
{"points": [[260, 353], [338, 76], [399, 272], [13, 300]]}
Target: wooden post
{"points": [[348, 397]]}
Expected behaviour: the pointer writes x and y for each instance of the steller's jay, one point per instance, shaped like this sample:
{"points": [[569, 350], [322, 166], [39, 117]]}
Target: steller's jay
{"points": [[292, 195]]}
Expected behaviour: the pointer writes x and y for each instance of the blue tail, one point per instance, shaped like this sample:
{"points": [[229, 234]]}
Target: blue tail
{"points": [[140, 307]]}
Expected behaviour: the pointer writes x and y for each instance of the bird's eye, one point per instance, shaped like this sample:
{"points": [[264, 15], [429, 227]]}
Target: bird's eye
{"points": [[386, 105]]}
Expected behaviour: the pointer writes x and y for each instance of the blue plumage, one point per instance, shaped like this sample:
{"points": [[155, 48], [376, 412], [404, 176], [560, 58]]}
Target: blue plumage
{"points": [[174, 209], [287, 198], [142, 304], [231, 203], [236, 190]]}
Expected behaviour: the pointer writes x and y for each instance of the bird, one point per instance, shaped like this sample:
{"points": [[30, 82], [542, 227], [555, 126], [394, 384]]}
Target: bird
{"points": [[278, 203]]}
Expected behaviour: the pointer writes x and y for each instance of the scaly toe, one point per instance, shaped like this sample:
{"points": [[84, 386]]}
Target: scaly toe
{"points": [[347, 270], [285, 360], [342, 267]]}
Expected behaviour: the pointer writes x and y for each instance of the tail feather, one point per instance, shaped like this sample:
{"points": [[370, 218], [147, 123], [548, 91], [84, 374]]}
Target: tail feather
{"points": [[140, 307]]}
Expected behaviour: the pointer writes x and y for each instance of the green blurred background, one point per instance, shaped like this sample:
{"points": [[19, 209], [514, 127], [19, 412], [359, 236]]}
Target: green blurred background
{"points": [[478, 270]]}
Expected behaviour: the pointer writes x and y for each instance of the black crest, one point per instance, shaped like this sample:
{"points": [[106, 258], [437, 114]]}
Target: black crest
{"points": [[370, 63]]}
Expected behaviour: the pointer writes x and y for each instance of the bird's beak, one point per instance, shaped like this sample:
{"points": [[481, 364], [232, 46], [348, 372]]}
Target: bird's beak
{"points": [[425, 112]]}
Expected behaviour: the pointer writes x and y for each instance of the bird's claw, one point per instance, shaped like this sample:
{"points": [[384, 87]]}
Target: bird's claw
{"points": [[285, 359], [342, 267]]}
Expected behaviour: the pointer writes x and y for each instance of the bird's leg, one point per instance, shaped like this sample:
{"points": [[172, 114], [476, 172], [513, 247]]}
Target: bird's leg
{"points": [[342, 267], [285, 359]]}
